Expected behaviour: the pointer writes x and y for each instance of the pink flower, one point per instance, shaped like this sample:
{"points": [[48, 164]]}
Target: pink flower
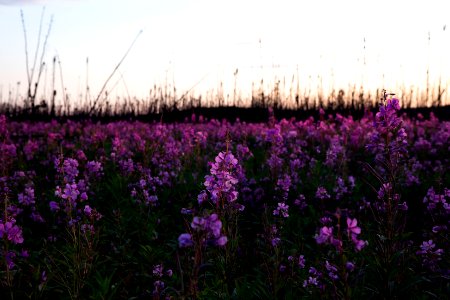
{"points": [[282, 210], [352, 227], [325, 234], [359, 244], [87, 210]]}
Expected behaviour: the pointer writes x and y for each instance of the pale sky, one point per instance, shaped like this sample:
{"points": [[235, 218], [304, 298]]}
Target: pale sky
{"points": [[203, 42]]}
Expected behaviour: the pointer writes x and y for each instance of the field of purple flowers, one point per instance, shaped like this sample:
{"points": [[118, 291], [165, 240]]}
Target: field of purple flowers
{"points": [[326, 208]]}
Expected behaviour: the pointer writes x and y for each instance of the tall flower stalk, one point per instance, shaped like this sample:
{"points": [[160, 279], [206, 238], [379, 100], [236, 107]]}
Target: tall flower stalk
{"points": [[388, 143], [216, 223], [74, 213]]}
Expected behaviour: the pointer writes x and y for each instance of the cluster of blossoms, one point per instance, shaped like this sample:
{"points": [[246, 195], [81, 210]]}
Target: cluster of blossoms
{"points": [[284, 184], [127, 166], [430, 256], [300, 202], [93, 215], [281, 210], [300, 260], [326, 236], [332, 271], [335, 153], [326, 273], [144, 191], [30, 149], [11, 231], [436, 201], [70, 196], [221, 192], [274, 236], [221, 184], [342, 188], [353, 231], [438, 207], [386, 192], [208, 228], [322, 193], [94, 169], [388, 141], [158, 273], [21, 183], [277, 149], [313, 279], [73, 194]]}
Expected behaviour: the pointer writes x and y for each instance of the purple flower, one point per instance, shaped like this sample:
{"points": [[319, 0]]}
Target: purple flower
{"points": [[9, 257], [437, 229], [27, 198], [70, 169], [275, 241], [221, 241], [311, 281], [12, 232], [282, 210], [384, 190], [322, 193], [349, 266], [94, 168], [159, 286], [185, 240], [426, 247], [30, 149], [24, 253], [70, 192], [202, 197], [325, 235], [300, 201], [352, 227], [83, 196], [332, 270], [158, 271], [284, 183], [430, 257], [340, 189], [359, 244], [54, 206], [87, 228], [87, 210], [214, 225], [198, 223], [221, 183], [301, 261], [389, 138]]}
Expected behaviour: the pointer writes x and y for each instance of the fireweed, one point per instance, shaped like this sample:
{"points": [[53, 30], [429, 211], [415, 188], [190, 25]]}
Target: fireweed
{"points": [[73, 211], [333, 279], [389, 144], [434, 251], [10, 234], [292, 158], [217, 202]]}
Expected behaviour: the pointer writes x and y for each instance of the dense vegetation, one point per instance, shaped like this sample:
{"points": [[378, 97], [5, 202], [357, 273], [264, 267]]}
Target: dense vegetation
{"points": [[327, 208]]}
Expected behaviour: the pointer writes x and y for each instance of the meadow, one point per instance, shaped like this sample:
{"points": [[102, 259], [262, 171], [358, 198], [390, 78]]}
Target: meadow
{"points": [[327, 207]]}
